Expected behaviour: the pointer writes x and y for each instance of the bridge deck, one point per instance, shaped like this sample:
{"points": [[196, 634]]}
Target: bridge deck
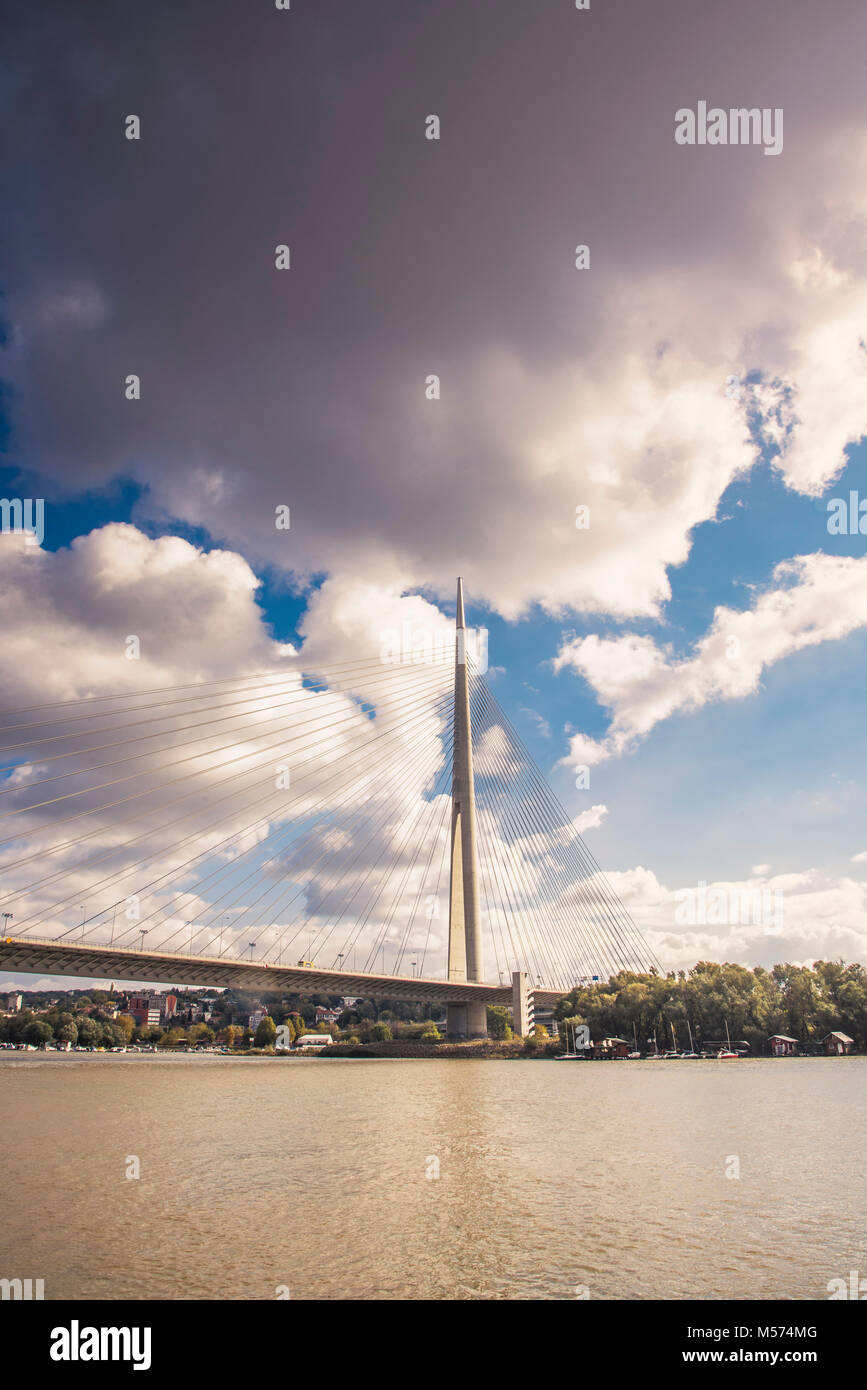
{"points": [[156, 967]]}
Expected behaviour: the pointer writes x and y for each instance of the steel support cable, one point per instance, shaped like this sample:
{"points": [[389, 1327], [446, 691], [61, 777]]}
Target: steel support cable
{"points": [[419, 706], [532, 947], [625, 941], [520, 923], [409, 778], [550, 956], [571, 930], [357, 717], [437, 777], [614, 948], [336, 886], [546, 802], [425, 808], [436, 895], [398, 781], [359, 722], [366, 808], [247, 720], [491, 834], [179, 762], [247, 734], [554, 905], [496, 870], [448, 755], [304, 668], [575, 841], [534, 834], [284, 690], [434, 833], [430, 809], [585, 894], [394, 732], [417, 702], [509, 913], [220, 907], [492, 907], [363, 810]]}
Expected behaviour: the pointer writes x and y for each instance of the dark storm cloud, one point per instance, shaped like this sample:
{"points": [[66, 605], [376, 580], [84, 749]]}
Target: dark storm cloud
{"points": [[409, 257]]}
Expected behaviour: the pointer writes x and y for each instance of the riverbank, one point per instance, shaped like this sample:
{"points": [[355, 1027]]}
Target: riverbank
{"points": [[481, 1050]]}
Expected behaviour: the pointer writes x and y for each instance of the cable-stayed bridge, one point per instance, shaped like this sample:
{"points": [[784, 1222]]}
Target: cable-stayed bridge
{"points": [[374, 828]]}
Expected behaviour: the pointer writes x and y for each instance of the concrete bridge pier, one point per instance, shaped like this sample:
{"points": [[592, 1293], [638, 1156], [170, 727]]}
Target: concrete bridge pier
{"points": [[522, 1004], [465, 1021]]}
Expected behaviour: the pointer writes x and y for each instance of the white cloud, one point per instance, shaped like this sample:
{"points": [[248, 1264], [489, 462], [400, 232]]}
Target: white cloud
{"points": [[804, 917], [194, 613], [818, 598], [539, 720], [589, 820]]}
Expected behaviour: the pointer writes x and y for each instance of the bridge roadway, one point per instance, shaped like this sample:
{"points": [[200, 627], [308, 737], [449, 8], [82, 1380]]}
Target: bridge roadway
{"points": [[37, 957]]}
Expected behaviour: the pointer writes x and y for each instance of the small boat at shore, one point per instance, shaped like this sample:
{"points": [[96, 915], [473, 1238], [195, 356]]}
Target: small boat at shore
{"points": [[574, 1055], [726, 1054], [688, 1056]]}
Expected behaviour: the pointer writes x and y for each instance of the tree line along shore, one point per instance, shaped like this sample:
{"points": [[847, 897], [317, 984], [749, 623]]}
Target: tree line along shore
{"points": [[802, 1003]]}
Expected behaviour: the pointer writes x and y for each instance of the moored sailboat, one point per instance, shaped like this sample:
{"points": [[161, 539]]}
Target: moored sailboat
{"points": [[724, 1055]]}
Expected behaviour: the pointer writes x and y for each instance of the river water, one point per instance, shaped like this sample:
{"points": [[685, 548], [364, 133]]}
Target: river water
{"points": [[319, 1177]]}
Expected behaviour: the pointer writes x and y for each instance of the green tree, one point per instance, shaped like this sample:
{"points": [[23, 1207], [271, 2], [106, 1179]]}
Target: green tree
{"points": [[38, 1033], [380, 1032], [499, 1022], [266, 1033], [89, 1031]]}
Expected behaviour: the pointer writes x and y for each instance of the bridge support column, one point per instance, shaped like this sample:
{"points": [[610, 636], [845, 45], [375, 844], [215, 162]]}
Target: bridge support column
{"points": [[456, 1022], [465, 1021], [465, 933], [522, 1005]]}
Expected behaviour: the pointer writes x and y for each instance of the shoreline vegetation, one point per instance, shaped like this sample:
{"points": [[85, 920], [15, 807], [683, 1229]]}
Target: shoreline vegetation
{"points": [[480, 1050], [647, 1015]]}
